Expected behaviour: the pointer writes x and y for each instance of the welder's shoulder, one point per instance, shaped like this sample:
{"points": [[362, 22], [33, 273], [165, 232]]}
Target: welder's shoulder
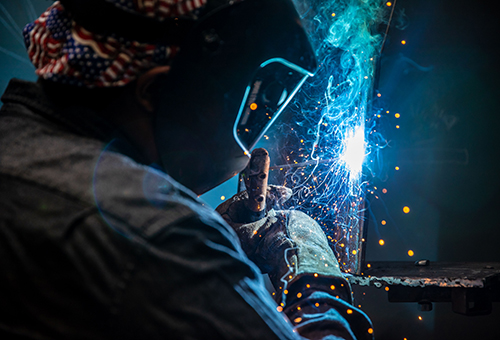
{"points": [[132, 198], [39, 153], [149, 200]]}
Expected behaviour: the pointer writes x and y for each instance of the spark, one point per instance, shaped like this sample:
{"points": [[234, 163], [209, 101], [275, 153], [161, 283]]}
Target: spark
{"points": [[354, 153], [330, 139]]}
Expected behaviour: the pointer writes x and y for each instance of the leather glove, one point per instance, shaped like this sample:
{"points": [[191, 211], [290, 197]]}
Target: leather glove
{"points": [[286, 244]]}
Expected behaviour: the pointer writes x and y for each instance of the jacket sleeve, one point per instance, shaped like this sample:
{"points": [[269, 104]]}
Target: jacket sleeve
{"points": [[192, 281]]}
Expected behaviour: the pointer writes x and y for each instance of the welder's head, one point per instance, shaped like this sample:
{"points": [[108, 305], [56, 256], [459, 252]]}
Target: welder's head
{"points": [[237, 70], [234, 67]]}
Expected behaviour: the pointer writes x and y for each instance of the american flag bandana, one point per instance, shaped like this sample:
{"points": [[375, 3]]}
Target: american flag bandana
{"points": [[62, 51]]}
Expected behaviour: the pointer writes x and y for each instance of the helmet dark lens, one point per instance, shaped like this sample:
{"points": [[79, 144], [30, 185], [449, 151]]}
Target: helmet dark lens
{"points": [[273, 94], [272, 87]]}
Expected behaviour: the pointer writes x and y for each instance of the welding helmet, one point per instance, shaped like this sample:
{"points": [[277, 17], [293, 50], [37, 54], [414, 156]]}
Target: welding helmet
{"points": [[237, 69]]}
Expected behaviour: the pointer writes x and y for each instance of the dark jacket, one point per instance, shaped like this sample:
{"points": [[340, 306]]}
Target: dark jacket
{"points": [[94, 245]]}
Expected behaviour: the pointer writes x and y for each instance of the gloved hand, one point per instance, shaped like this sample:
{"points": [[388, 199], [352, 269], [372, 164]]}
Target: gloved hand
{"points": [[286, 244]]}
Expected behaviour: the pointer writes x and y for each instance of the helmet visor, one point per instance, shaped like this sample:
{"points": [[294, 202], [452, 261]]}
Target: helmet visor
{"points": [[271, 89]]}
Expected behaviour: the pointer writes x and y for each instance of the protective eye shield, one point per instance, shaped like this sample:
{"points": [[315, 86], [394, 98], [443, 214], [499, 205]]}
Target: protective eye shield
{"points": [[270, 91], [276, 79], [234, 74]]}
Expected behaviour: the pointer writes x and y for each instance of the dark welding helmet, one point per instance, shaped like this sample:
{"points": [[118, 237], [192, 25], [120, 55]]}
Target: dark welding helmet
{"points": [[238, 68]]}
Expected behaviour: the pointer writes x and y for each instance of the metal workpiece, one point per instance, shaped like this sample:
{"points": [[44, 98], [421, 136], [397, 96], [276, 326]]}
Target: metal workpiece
{"points": [[440, 274], [471, 287]]}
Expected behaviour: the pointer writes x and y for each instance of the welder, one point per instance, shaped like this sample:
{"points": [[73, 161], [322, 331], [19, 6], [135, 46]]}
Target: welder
{"points": [[140, 106]]}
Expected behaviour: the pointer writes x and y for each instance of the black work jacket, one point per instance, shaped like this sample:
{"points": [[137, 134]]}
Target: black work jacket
{"points": [[94, 245]]}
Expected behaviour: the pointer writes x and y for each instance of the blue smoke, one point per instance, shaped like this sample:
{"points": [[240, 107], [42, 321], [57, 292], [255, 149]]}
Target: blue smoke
{"points": [[333, 136]]}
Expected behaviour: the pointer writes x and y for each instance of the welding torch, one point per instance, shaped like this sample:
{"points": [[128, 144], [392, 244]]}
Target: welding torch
{"points": [[255, 177]]}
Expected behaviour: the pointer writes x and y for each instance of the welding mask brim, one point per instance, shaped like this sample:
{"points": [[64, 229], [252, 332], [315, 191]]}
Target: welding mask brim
{"points": [[235, 73]]}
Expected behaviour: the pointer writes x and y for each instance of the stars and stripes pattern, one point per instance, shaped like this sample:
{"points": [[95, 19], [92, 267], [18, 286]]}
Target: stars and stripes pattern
{"points": [[159, 9], [63, 51]]}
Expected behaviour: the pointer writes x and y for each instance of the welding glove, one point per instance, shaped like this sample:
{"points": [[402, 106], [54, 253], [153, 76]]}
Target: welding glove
{"points": [[287, 244]]}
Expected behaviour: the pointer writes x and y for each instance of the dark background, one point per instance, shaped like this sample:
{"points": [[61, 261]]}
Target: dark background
{"points": [[444, 84]]}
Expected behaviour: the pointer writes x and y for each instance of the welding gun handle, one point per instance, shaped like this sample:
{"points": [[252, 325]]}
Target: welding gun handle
{"points": [[256, 176]]}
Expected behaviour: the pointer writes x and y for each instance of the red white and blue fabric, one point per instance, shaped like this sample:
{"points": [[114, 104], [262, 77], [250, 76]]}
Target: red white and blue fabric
{"points": [[63, 51]]}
